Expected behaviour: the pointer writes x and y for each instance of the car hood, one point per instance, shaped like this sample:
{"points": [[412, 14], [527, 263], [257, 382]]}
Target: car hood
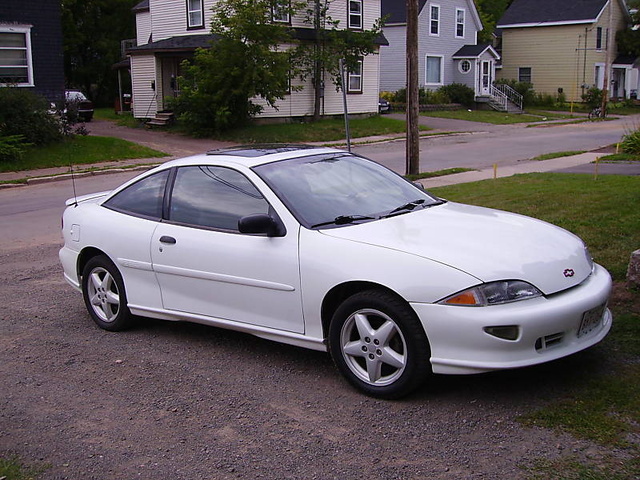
{"points": [[488, 244]]}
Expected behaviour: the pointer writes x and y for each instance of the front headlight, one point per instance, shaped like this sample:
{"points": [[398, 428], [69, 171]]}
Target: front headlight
{"points": [[494, 293]]}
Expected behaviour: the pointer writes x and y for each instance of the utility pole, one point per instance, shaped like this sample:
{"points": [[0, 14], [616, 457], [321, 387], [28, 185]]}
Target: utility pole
{"points": [[413, 133], [607, 65]]}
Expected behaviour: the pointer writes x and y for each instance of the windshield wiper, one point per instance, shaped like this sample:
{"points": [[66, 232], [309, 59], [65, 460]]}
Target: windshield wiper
{"points": [[344, 220], [408, 207]]}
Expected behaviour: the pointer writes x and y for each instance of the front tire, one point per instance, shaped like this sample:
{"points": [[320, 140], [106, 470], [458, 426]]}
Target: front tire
{"points": [[104, 294], [379, 345]]}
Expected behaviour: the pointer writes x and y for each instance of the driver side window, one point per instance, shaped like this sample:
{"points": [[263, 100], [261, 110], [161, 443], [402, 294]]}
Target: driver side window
{"points": [[213, 197]]}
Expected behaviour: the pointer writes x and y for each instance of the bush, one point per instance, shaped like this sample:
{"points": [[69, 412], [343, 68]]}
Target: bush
{"points": [[523, 88], [631, 142], [459, 93], [24, 113], [12, 148], [425, 97], [592, 98]]}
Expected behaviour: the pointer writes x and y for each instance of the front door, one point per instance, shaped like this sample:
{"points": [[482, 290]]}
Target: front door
{"points": [[486, 77]]}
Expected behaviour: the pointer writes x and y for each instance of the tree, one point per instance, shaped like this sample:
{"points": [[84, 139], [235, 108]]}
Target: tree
{"points": [[490, 13], [92, 34], [329, 45], [244, 62]]}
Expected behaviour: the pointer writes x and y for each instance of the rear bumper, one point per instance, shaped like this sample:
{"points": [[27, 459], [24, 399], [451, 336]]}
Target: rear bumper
{"points": [[547, 329]]}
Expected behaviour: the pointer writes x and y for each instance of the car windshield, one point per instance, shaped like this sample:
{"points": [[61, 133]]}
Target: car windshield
{"points": [[338, 189]]}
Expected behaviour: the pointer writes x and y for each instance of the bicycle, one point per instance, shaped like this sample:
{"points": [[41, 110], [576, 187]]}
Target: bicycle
{"points": [[597, 113]]}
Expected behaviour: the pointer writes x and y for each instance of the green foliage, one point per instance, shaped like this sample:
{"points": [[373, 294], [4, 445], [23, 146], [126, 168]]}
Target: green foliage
{"points": [[523, 88], [80, 150], [24, 113], [243, 63], [631, 142], [490, 13], [331, 43], [592, 97], [12, 148], [459, 93], [92, 34]]}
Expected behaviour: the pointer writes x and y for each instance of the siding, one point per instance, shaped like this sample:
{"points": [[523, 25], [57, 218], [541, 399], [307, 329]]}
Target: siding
{"points": [[46, 42], [143, 28], [393, 57], [143, 73], [300, 103], [556, 54], [169, 17]]}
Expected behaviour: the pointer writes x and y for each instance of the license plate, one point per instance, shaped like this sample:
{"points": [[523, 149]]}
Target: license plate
{"points": [[591, 320]]}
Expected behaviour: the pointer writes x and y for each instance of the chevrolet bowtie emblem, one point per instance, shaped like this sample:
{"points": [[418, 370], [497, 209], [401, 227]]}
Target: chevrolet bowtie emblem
{"points": [[569, 272]]}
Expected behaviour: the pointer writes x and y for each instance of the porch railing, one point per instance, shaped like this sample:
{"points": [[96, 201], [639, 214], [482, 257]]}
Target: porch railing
{"points": [[506, 92]]}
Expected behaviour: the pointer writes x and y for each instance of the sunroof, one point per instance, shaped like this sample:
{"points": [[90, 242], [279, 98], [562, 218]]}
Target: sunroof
{"points": [[259, 150]]}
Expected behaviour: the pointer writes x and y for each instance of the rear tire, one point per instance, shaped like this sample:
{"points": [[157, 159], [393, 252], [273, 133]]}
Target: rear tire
{"points": [[104, 294], [379, 345]]}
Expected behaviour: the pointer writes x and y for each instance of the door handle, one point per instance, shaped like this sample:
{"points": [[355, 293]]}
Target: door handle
{"points": [[167, 239]]}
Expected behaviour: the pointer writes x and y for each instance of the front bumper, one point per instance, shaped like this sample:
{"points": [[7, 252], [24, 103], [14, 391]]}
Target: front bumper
{"points": [[548, 329]]}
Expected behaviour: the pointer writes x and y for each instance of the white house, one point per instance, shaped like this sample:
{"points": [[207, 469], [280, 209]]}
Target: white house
{"points": [[169, 31], [447, 46]]}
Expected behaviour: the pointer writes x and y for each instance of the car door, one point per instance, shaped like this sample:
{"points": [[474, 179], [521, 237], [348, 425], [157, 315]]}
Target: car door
{"points": [[205, 266]]}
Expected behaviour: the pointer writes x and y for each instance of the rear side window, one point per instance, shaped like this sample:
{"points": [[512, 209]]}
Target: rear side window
{"points": [[213, 197], [143, 198]]}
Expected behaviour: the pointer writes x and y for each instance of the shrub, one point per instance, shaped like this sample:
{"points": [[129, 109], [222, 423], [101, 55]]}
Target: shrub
{"points": [[523, 88], [12, 148], [24, 113], [433, 97], [459, 93], [631, 142], [592, 97]]}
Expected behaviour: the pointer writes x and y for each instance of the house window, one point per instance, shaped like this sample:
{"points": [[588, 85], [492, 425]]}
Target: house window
{"points": [[195, 14], [354, 79], [355, 14], [434, 28], [599, 38], [459, 23], [15, 56], [434, 70], [280, 13], [524, 74], [464, 66]]}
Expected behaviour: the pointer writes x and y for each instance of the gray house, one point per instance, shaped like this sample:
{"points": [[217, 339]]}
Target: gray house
{"points": [[447, 49]]}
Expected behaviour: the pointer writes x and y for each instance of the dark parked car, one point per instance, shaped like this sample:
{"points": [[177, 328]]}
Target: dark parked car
{"points": [[384, 106], [77, 101]]}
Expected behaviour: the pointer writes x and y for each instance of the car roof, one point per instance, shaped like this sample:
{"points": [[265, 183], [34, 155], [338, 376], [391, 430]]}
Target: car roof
{"points": [[253, 155]]}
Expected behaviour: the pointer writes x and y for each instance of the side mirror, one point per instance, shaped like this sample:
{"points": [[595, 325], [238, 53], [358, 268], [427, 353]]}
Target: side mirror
{"points": [[261, 223]]}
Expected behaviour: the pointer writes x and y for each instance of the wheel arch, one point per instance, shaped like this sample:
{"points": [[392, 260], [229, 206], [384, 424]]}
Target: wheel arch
{"points": [[341, 292], [87, 254]]}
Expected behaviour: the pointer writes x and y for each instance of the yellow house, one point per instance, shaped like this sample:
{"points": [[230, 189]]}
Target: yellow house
{"points": [[564, 46]]}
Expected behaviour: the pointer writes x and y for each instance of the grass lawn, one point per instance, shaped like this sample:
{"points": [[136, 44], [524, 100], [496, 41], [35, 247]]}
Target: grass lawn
{"points": [[81, 150], [322, 131], [490, 116], [601, 401]]}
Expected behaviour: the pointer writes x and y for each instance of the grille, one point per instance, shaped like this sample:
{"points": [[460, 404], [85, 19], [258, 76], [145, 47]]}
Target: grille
{"points": [[549, 341]]}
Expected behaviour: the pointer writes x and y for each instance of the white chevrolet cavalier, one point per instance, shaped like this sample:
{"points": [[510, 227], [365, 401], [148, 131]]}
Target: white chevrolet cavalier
{"points": [[323, 249]]}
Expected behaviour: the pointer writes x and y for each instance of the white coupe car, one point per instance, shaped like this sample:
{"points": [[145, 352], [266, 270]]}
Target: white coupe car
{"points": [[323, 249]]}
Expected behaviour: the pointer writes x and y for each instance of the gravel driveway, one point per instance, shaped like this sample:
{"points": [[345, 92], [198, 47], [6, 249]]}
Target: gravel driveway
{"points": [[182, 401]]}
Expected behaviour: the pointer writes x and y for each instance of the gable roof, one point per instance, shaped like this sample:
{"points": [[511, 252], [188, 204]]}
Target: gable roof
{"points": [[475, 51], [538, 13], [397, 10]]}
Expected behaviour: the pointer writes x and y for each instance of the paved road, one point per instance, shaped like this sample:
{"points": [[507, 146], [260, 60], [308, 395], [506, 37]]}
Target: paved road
{"points": [[502, 145]]}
